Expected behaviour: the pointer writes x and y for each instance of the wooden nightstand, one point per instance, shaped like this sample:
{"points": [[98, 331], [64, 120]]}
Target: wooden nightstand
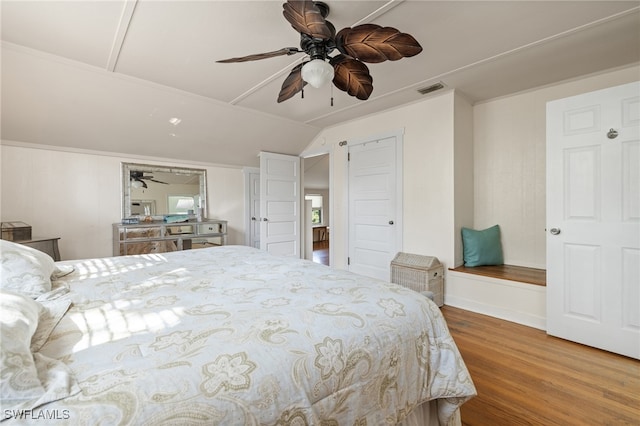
{"points": [[46, 245]]}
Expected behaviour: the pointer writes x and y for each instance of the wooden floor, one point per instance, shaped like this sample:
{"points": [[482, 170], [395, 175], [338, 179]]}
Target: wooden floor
{"points": [[321, 252], [525, 377]]}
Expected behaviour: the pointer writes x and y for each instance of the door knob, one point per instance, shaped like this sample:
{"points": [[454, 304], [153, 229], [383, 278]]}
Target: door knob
{"points": [[554, 231], [264, 219], [253, 218], [390, 222]]}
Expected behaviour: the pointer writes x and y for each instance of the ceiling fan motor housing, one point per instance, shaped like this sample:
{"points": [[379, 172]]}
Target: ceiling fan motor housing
{"points": [[316, 48]]}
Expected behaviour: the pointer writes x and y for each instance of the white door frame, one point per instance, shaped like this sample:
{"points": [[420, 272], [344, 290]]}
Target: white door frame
{"points": [[399, 137]]}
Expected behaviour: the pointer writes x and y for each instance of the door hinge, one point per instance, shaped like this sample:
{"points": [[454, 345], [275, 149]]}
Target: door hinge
{"points": [[348, 261], [348, 156]]}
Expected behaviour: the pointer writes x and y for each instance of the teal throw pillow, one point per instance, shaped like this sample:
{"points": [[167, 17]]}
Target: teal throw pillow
{"points": [[482, 247]]}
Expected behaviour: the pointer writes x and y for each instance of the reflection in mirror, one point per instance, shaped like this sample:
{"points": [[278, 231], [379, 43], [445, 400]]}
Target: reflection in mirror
{"points": [[143, 207], [149, 190]]}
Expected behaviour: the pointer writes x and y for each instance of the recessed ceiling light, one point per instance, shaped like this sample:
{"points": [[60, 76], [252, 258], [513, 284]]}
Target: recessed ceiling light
{"points": [[175, 121]]}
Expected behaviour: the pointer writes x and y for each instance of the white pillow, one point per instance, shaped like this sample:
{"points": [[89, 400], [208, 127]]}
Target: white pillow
{"points": [[25, 270], [30, 379], [18, 323]]}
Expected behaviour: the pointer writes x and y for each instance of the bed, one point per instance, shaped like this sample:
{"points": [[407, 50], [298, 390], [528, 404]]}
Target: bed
{"points": [[220, 336]]}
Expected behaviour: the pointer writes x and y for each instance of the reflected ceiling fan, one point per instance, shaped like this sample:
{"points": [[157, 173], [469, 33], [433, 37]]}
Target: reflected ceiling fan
{"points": [[138, 180], [318, 38]]}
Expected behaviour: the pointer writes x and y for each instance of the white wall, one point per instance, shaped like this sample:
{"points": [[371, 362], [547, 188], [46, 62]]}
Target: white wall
{"points": [[77, 195], [428, 174], [509, 161], [463, 199]]}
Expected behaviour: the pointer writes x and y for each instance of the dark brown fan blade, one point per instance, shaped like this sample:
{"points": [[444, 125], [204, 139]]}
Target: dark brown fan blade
{"points": [[306, 18], [292, 84], [284, 51], [373, 43], [352, 76], [144, 184]]}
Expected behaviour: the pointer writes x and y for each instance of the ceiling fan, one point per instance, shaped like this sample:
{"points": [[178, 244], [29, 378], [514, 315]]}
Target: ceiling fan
{"points": [[318, 38], [138, 179]]}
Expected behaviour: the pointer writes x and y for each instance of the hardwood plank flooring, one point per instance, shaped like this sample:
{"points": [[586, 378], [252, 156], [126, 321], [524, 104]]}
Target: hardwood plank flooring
{"points": [[525, 377], [321, 252]]}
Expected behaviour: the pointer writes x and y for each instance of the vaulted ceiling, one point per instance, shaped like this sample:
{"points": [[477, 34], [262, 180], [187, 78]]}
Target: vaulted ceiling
{"points": [[111, 75]]}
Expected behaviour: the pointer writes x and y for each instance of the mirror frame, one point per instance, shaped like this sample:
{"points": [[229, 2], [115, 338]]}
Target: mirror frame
{"points": [[127, 168]]}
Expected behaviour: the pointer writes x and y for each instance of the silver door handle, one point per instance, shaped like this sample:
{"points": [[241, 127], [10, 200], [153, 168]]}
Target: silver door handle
{"points": [[264, 219], [253, 218], [390, 222], [554, 231]]}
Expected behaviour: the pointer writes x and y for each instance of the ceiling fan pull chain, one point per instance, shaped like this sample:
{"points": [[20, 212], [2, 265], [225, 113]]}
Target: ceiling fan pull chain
{"points": [[302, 93], [332, 95]]}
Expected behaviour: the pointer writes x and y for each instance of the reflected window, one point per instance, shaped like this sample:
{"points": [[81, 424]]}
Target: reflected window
{"points": [[181, 204], [316, 208]]}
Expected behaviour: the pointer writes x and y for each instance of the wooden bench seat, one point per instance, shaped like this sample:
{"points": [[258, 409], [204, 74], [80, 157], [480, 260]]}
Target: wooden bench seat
{"points": [[508, 272]]}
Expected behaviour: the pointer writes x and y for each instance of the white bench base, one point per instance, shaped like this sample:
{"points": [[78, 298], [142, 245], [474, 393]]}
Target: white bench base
{"points": [[513, 301]]}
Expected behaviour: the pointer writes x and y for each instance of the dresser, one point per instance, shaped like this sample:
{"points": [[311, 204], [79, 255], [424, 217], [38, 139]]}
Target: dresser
{"points": [[161, 237]]}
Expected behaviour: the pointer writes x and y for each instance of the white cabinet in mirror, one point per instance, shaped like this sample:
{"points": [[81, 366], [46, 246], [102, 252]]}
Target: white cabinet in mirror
{"points": [[155, 191]]}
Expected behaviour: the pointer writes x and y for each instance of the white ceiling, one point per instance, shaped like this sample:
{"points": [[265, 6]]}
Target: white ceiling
{"points": [[109, 75]]}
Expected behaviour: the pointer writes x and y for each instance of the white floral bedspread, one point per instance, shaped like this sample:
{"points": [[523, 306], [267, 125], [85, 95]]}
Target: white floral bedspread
{"points": [[235, 336]]}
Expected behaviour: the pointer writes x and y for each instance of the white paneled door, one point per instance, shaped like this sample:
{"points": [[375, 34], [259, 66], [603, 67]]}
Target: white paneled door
{"points": [[593, 219], [280, 204], [374, 215]]}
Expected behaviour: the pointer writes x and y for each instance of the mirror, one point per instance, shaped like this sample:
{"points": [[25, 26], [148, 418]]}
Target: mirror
{"points": [[155, 191]]}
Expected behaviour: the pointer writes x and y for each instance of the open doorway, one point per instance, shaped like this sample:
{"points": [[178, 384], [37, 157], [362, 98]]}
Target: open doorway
{"points": [[316, 189]]}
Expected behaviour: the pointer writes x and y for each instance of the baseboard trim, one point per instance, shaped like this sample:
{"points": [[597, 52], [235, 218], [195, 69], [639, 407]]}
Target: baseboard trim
{"points": [[496, 312]]}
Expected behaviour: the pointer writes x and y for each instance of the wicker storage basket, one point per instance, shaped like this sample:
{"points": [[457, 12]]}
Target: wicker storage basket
{"points": [[419, 273]]}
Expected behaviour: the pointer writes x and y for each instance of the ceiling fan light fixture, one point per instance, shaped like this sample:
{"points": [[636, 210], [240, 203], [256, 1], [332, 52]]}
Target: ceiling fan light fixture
{"points": [[136, 183], [317, 73]]}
